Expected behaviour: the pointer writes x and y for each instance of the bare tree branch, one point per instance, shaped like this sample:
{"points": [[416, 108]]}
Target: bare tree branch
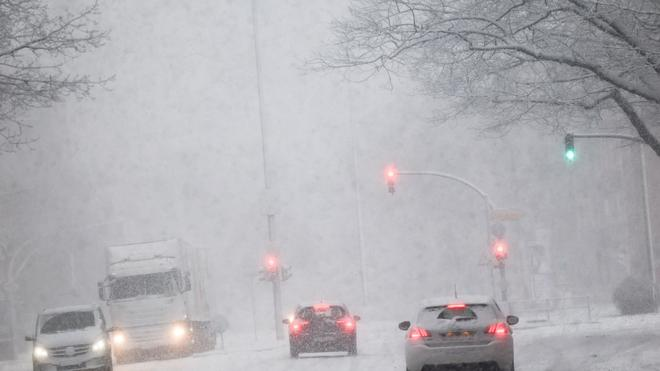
{"points": [[35, 47], [541, 60]]}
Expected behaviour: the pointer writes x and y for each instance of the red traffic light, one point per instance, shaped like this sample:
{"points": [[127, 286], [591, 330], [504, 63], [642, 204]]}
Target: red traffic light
{"points": [[391, 176], [500, 249], [272, 263]]}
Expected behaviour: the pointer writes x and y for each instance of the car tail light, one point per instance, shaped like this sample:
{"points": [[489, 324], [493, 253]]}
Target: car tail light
{"points": [[346, 324], [416, 333], [498, 329], [456, 306], [297, 326]]}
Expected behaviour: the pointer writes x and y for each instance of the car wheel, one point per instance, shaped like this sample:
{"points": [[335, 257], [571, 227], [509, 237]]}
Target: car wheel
{"points": [[120, 360], [295, 352], [352, 347]]}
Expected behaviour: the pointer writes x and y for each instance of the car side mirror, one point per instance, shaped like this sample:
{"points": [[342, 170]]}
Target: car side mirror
{"points": [[102, 291], [286, 321], [404, 326], [512, 320], [187, 286], [356, 318], [29, 338]]}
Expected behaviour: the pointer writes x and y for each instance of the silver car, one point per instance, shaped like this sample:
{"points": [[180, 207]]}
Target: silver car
{"points": [[470, 332], [72, 339]]}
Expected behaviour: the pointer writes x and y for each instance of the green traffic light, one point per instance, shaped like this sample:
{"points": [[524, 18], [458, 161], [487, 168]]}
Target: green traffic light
{"points": [[569, 151], [570, 155]]}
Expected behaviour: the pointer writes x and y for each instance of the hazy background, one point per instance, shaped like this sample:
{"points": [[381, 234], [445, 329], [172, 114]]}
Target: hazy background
{"points": [[173, 148]]}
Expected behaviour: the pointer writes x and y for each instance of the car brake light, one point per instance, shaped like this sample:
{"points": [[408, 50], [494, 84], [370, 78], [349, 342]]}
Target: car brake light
{"points": [[346, 324], [297, 326], [417, 333], [456, 306], [321, 308], [498, 329]]}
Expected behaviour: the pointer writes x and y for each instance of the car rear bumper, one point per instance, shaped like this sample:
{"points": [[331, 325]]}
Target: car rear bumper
{"points": [[499, 352], [313, 344]]}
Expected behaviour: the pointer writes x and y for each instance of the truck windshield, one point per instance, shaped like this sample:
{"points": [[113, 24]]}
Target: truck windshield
{"points": [[161, 284], [70, 321]]}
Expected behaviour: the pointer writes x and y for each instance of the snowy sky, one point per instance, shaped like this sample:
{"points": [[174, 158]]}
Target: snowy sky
{"points": [[172, 148]]}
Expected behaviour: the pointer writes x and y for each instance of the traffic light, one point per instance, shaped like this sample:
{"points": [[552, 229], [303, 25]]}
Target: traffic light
{"points": [[500, 249], [569, 152], [391, 175], [272, 264]]}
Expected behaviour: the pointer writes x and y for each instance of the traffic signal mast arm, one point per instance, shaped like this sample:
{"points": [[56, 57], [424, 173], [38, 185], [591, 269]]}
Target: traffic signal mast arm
{"points": [[611, 136], [481, 193]]}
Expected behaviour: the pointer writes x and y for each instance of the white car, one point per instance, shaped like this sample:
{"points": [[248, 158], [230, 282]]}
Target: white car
{"points": [[460, 332], [72, 339]]}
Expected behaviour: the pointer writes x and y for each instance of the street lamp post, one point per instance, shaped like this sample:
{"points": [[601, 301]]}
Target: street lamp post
{"points": [[270, 217]]}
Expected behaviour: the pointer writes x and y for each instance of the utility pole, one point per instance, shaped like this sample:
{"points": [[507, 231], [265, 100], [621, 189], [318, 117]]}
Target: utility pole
{"points": [[358, 199], [270, 216]]}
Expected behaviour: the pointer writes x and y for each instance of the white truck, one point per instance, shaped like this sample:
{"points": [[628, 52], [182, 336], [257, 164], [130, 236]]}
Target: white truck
{"points": [[157, 297]]}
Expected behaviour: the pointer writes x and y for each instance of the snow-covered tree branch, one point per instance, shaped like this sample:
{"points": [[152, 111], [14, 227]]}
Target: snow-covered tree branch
{"points": [[552, 61], [35, 44]]}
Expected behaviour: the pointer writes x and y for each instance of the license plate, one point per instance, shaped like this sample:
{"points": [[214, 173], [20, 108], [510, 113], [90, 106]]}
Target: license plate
{"points": [[457, 334], [325, 338]]}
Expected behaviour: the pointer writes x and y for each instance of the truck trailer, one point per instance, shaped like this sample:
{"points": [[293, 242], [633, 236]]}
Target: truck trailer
{"points": [[158, 300]]}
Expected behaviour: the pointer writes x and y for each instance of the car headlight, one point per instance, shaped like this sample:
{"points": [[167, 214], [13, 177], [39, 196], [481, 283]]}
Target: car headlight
{"points": [[118, 338], [40, 352], [99, 346], [178, 331]]}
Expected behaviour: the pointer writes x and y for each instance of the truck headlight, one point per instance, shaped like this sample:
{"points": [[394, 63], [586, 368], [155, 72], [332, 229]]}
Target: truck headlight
{"points": [[99, 346], [40, 353], [118, 338], [178, 331]]}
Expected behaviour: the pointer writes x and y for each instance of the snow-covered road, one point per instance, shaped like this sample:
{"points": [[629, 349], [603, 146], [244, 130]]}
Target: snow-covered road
{"points": [[612, 344], [617, 344]]}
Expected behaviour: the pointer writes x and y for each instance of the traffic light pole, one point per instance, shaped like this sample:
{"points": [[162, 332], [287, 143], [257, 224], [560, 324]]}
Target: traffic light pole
{"points": [[647, 211], [503, 282], [277, 303]]}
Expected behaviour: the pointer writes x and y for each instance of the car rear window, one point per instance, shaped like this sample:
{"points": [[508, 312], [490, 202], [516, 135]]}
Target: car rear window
{"points": [[449, 313], [474, 311], [320, 312]]}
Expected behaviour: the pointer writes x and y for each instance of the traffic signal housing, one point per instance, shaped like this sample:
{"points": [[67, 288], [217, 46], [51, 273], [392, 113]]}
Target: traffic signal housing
{"points": [[569, 150], [272, 264], [391, 176], [500, 249]]}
